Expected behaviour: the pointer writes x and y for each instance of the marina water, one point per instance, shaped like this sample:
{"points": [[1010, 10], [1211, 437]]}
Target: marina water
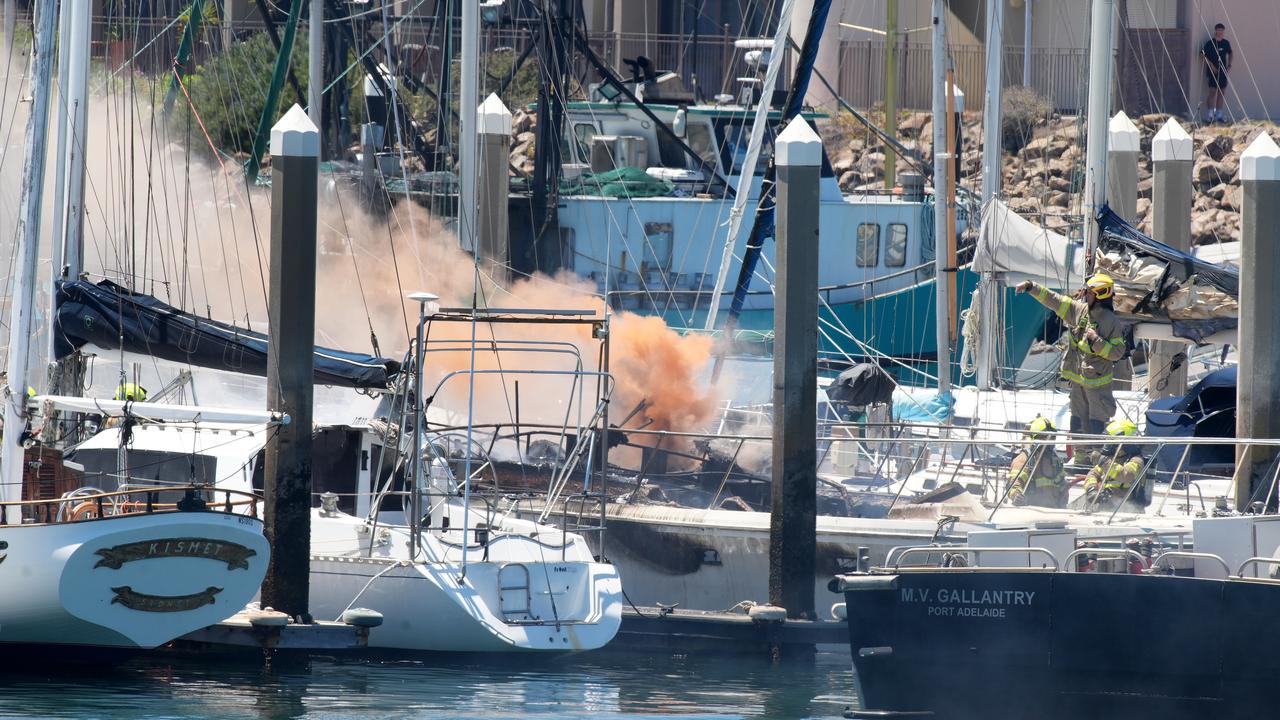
{"points": [[586, 686]]}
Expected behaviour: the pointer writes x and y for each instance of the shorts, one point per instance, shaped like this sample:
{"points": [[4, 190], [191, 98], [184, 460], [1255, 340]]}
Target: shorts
{"points": [[1216, 81]]}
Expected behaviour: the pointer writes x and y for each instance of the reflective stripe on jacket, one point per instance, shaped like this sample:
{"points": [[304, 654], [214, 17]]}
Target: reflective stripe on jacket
{"points": [[1088, 364], [1118, 475]]}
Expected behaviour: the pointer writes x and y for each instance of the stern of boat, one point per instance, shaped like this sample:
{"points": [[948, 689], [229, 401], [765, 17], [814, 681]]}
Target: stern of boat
{"points": [[136, 580]]}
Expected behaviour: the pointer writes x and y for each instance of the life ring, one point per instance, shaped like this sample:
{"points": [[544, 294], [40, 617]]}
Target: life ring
{"points": [[84, 511]]}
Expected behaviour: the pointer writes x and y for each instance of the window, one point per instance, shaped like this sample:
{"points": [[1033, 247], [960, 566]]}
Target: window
{"points": [[895, 246], [735, 137], [698, 135], [102, 469], [868, 250], [584, 133]]}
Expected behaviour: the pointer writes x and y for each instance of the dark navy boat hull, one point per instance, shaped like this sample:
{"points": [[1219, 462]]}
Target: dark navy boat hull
{"points": [[997, 644]]}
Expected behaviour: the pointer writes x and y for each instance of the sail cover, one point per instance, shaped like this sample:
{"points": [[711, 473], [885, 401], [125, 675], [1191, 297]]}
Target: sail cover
{"points": [[1017, 249], [1156, 281], [113, 317]]}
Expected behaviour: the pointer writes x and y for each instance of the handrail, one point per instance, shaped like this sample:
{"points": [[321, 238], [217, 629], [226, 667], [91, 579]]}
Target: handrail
{"points": [[1254, 561], [108, 504], [1159, 561], [1112, 552], [930, 549]]}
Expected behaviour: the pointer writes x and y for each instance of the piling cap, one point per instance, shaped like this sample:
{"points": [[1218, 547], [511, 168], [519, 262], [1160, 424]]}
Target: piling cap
{"points": [[493, 117], [295, 135], [1122, 134], [1171, 143], [1261, 160], [798, 145]]}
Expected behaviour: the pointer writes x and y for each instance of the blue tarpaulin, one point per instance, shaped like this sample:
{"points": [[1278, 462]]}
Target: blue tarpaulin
{"points": [[113, 317]]}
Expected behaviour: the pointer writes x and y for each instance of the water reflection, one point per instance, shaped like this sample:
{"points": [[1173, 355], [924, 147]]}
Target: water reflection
{"points": [[592, 686]]}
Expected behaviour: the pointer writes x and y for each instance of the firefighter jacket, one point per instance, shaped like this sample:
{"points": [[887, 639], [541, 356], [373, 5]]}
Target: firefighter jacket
{"points": [[1089, 364]]}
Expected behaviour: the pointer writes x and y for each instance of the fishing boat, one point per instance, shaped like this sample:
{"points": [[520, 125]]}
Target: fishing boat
{"points": [[662, 202]]}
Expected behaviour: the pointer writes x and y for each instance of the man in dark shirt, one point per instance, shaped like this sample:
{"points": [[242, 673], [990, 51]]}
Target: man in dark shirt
{"points": [[1216, 55]]}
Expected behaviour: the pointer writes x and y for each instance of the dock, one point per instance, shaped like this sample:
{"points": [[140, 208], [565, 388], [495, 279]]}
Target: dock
{"points": [[272, 631], [701, 632]]}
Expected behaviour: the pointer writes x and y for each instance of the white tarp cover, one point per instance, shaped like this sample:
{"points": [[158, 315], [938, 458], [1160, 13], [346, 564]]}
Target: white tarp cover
{"points": [[1016, 249]]}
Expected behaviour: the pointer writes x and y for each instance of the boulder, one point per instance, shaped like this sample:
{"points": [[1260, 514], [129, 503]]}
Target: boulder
{"points": [[1209, 173], [1218, 147]]}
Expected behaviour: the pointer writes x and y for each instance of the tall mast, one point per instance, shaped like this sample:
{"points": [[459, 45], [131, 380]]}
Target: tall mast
{"points": [[77, 95], [991, 169], [22, 302], [942, 167], [315, 66], [890, 89], [60, 173], [1095, 175], [66, 375], [468, 167]]}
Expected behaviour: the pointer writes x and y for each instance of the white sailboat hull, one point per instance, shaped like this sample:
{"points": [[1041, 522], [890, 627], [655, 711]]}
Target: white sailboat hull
{"points": [[127, 581], [518, 594]]}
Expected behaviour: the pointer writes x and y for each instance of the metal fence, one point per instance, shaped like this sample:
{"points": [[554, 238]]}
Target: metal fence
{"points": [[1058, 74]]}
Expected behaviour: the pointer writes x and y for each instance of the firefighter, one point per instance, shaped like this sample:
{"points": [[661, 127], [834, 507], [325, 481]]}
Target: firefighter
{"points": [[1108, 482], [131, 391], [1036, 474], [1095, 343]]}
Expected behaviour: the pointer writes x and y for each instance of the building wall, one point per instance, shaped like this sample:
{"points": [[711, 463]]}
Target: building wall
{"points": [[1253, 27]]}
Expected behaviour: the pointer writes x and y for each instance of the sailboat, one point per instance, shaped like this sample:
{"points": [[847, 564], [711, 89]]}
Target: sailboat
{"points": [[396, 524], [134, 565]]}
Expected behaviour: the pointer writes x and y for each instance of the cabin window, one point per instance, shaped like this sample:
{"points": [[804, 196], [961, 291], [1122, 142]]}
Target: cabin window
{"points": [[895, 245], [868, 251], [102, 467], [698, 135], [735, 137], [584, 133], [670, 154]]}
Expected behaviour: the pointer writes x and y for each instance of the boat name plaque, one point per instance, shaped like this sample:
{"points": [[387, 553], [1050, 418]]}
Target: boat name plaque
{"points": [[945, 602], [235, 556], [127, 597]]}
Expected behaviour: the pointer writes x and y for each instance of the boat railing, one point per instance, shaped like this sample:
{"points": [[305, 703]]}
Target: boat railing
{"points": [[950, 552], [84, 504], [489, 528], [1164, 558], [1256, 561], [1096, 552]]}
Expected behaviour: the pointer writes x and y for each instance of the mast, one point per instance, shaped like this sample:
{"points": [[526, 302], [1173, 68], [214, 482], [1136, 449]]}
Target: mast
{"points": [[549, 125], [468, 164], [68, 239], [1027, 28], [254, 163], [1095, 175], [315, 65], [60, 174], [991, 166], [942, 169], [77, 95], [743, 188], [890, 89], [22, 302]]}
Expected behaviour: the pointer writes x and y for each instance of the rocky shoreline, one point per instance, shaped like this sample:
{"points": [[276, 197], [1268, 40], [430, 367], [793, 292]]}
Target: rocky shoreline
{"points": [[1044, 180]]}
